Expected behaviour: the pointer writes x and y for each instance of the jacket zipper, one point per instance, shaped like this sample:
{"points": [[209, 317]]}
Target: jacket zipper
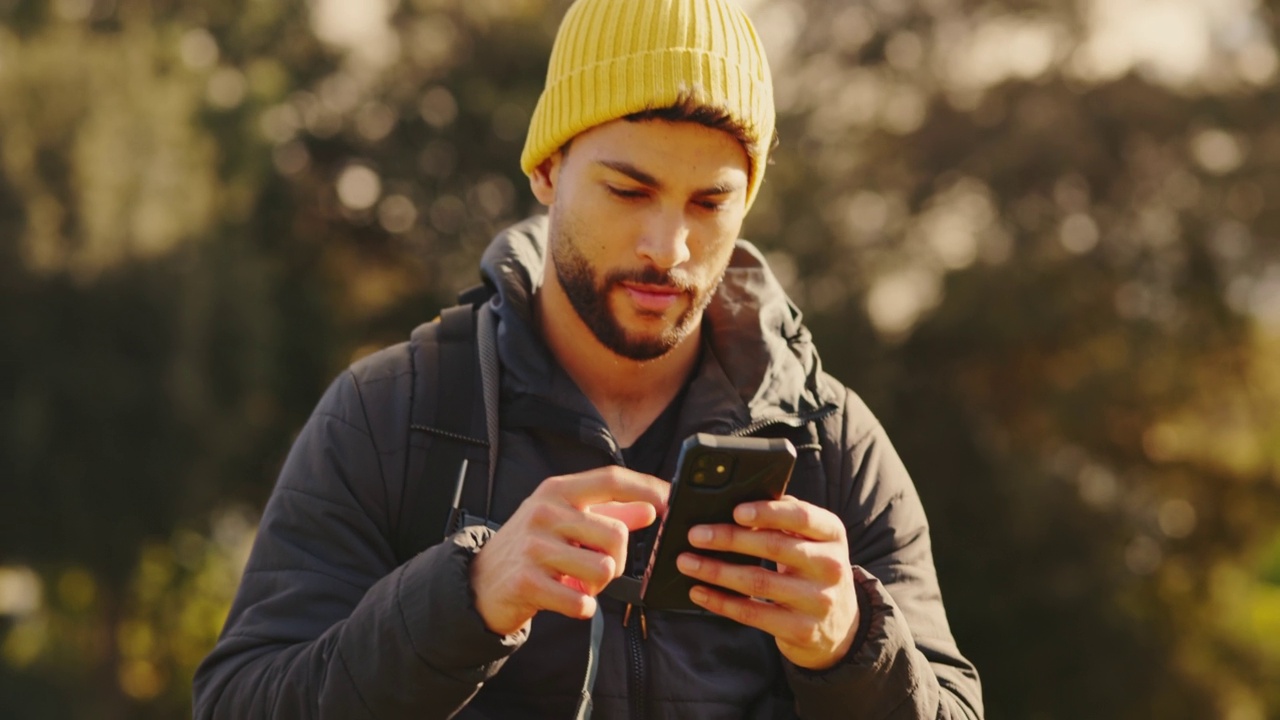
{"points": [[636, 632], [633, 622], [636, 679], [794, 420]]}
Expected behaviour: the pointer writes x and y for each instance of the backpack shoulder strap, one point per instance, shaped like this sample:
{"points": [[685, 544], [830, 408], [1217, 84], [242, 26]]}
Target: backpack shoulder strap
{"points": [[447, 425], [458, 388]]}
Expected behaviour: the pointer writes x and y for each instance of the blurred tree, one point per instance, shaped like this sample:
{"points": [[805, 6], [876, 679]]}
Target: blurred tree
{"points": [[1060, 284], [145, 296], [1038, 240]]}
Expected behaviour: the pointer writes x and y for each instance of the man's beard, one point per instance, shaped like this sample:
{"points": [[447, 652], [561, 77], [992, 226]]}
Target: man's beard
{"points": [[591, 301]]}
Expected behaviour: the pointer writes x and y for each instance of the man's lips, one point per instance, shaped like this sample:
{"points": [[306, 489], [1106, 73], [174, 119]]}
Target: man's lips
{"points": [[656, 298]]}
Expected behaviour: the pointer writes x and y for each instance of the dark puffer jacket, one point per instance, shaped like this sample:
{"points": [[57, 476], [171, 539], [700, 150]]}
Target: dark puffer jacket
{"points": [[331, 621]]}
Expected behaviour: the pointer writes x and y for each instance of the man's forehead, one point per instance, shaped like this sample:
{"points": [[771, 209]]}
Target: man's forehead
{"points": [[657, 152]]}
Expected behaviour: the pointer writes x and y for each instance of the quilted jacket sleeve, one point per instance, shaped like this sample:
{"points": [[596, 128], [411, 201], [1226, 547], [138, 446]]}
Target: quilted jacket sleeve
{"points": [[905, 663], [326, 624]]}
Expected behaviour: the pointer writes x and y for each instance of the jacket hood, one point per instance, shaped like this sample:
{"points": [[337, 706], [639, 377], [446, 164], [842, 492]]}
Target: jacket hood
{"points": [[752, 329]]}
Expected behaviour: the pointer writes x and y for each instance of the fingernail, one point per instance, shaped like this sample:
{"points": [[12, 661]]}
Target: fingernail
{"points": [[700, 535], [698, 595], [746, 513], [688, 563]]}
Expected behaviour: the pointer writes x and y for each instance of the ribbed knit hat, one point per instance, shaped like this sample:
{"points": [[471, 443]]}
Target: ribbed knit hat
{"points": [[612, 58]]}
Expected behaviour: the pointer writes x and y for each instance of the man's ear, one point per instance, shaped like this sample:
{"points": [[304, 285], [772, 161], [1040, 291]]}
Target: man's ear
{"points": [[545, 178]]}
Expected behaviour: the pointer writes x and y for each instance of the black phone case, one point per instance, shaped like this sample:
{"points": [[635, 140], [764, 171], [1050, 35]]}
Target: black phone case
{"points": [[715, 474]]}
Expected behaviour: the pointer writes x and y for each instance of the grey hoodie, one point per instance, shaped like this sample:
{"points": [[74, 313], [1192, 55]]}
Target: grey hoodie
{"points": [[330, 621]]}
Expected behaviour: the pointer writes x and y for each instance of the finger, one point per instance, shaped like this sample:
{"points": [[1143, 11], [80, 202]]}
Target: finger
{"points": [[634, 515], [802, 639], [596, 533], [571, 525], [776, 620], [548, 593], [825, 561], [592, 569], [791, 515], [609, 484], [757, 582]]}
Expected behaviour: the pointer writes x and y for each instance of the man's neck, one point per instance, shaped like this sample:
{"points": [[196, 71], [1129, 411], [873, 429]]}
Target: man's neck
{"points": [[629, 394]]}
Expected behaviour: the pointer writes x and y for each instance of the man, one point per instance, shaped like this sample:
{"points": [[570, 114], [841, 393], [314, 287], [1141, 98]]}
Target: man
{"points": [[623, 321]]}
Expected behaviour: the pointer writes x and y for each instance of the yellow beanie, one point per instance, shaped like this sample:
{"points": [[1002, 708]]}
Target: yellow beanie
{"points": [[612, 58]]}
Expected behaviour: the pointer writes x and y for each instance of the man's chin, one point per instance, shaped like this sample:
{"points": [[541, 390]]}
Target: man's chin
{"points": [[641, 350], [642, 334], [640, 347]]}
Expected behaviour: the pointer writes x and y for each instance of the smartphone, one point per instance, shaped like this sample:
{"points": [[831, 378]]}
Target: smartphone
{"points": [[714, 474]]}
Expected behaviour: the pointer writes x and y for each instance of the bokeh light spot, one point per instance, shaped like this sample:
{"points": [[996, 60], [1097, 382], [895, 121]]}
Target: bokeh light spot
{"points": [[1078, 233], [447, 214], [1143, 555], [226, 89], [359, 187], [375, 121], [867, 214], [1098, 486], [898, 300], [25, 642], [21, 592], [1258, 63], [362, 29], [290, 158], [397, 214], [198, 49], [1217, 151], [73, 10], [438, 107], [1177, 518], [494, 196], [280, 123]]}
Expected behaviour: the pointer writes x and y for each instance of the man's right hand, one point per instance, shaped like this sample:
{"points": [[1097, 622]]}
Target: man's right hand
{"points": [[563, 545]]}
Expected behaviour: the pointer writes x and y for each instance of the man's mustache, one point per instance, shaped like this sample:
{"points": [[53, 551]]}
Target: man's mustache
{"points": [[667, 279]]}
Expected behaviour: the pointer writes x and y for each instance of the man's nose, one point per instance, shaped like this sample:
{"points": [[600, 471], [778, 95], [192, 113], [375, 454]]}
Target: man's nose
{"points": [[665, 241]]}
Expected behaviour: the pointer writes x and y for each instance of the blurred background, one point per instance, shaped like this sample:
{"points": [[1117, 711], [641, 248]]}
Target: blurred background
{"points": [[1040, 237]]}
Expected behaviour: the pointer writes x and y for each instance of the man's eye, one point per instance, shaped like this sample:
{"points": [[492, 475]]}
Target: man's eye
{"points": [[710, 205], [625, 194]]}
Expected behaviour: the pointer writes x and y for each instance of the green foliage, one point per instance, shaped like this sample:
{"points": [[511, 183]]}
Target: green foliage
{"points": [[1052, 274]]}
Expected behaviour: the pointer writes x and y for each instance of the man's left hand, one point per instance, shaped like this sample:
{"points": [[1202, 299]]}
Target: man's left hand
{"points": [[808, 604]]}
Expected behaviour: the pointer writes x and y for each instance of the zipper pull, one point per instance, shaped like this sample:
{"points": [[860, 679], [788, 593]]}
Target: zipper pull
{"points": [[644, 621]]}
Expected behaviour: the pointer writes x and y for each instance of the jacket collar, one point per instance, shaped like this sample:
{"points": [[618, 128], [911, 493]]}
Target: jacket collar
{"points": [[759, 361]]}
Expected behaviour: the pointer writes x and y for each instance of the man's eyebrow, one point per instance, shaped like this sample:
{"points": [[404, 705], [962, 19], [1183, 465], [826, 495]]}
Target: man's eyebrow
{"points": [[644, 178], [720, 188], [633, 172]]}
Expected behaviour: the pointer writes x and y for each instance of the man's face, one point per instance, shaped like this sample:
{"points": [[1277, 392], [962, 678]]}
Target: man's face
{"points": [[643, 217]]}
